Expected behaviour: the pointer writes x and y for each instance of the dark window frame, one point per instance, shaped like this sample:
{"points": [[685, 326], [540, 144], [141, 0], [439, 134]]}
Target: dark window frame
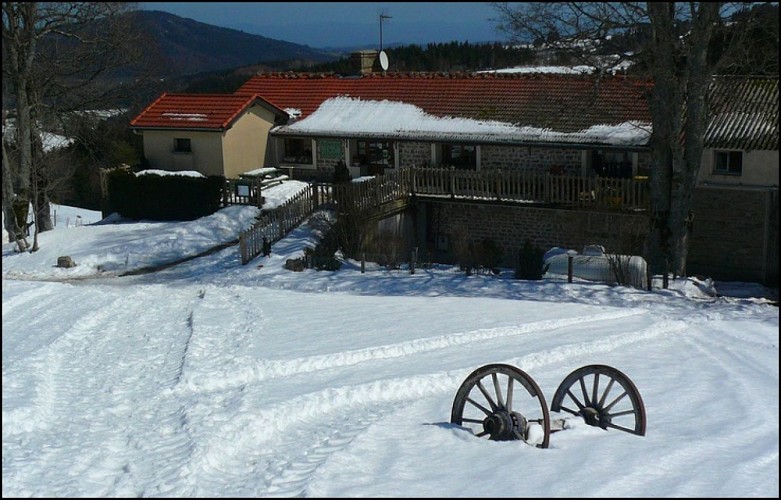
{"points": [[728, 162], [463, 159], [613, 164], [372, 153], [183, 145], [301, 154]]}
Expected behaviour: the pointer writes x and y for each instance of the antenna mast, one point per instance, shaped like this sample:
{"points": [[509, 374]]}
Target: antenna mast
{"points": [[382, 18]]}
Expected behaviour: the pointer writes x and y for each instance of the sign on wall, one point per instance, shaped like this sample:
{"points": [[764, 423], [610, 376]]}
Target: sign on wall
{"points": [[330, 149]]}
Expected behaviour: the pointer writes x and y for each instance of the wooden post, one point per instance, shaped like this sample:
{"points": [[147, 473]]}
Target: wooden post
{"points": [[413, 260], [665, 277], [569, 268], [452, 181], [547, 194], [649, 277], [363, 262], [258, 184], [242, 249], [413, 182]]}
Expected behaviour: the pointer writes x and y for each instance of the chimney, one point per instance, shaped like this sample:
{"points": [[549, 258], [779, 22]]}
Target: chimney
{"points": [[364, 61]]}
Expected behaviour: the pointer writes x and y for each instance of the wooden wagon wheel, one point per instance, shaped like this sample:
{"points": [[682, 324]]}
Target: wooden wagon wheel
{"points": [[604, 397], [491, 403]]}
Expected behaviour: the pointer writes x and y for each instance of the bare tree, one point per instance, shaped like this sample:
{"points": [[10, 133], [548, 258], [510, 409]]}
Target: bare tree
{"points": [[58, 57], [670, 42]]}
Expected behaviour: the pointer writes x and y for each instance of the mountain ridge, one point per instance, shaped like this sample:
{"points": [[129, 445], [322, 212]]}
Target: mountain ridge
{"points": [[183, 46]]}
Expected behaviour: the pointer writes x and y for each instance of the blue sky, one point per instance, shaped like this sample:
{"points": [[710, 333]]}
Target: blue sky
{"points": [[346, 24]]}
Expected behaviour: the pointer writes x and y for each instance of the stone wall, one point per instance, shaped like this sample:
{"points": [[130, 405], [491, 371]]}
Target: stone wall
{"points": [[414, 153], [735, 234], [447, 223], [537, 159]]}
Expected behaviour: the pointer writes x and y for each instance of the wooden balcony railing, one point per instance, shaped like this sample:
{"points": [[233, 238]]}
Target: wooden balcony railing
{"points": [[529, 187]]}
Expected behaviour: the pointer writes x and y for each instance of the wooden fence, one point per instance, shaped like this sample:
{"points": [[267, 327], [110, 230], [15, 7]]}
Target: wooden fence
{"points": [[370, 193], [273, 225]]}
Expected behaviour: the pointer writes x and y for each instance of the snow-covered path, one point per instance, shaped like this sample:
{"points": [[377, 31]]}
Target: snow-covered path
{"points": [[232, 390]]}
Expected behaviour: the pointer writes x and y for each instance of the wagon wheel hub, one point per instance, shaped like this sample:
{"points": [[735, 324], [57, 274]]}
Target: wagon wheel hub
{"points": [[504, 425], [595, 417]]}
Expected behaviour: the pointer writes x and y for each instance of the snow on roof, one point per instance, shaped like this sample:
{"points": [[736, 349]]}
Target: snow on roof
{"points": [[195, 117], [345, 116], [575, 70], [261, 171], [55, 141], [182, 173]]}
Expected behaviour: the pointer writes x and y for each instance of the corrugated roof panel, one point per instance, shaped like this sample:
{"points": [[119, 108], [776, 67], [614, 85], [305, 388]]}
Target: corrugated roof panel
{"points": [[744, 113]]}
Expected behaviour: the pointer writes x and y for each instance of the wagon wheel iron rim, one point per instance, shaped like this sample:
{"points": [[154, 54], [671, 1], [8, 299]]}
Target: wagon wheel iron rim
{"points": [[604, 397], [492, 404]]}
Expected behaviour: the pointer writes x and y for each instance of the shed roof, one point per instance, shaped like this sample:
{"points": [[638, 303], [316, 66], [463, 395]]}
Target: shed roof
{"points": [[198, 111], [744, 113]]}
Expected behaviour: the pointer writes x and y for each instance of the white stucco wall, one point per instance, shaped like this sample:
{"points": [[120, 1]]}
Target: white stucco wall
{"points": [[206, 155], [760, 168], [239, 149], [245, 144]]}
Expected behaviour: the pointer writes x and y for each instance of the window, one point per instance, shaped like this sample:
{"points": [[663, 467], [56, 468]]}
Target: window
{"points": [[614, 164], [182, 146], [376, 153], [298, 151], [460, 156], [728, 162]]}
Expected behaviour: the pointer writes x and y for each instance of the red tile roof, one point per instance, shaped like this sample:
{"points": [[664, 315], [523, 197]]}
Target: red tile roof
{"points": [[197, 111], [565, 103]]}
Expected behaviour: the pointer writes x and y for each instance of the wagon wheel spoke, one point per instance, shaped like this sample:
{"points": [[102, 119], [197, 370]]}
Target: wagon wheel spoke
{"points": [[491, 408], [596, 385], [619, 398], [481, 407], [510, 393], [607, 391], [498, 391], [577, 414], [480, 386], [580, 405], [583, 390], [624, 412], [618, 427]]}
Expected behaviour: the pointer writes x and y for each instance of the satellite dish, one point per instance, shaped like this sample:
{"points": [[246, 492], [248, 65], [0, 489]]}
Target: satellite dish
{"points": [[383, 60]]}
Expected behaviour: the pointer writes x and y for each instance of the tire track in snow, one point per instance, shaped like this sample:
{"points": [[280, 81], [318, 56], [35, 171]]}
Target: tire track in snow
{"points": [[113, 385], [28, 296], [250, 446], [41, 414], [292, 480], [270, 369]]}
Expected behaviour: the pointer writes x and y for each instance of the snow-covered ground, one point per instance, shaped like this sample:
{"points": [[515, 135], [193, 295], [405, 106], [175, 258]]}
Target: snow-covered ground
{"points": [[216, 379]]}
